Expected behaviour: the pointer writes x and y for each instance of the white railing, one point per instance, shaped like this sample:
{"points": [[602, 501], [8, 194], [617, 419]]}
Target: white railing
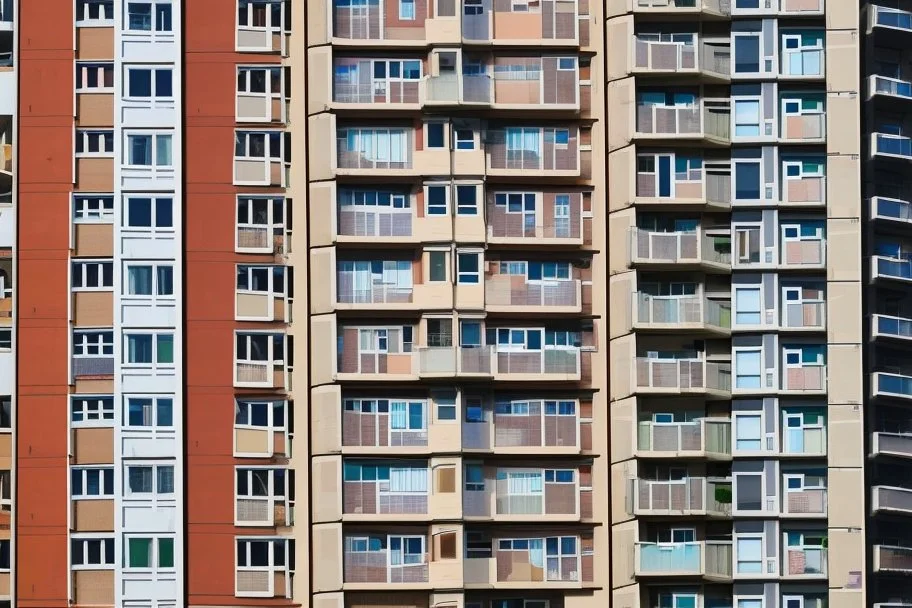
{"points": [[677, 247], [679, 310], [676, 375]]}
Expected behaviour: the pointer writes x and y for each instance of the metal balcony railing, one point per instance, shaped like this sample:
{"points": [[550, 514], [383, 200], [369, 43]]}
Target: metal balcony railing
{"points": [[689, 496], [804, 315], [690, 375], [704, 435], [712, 559], [675, 247], [650, 310]]}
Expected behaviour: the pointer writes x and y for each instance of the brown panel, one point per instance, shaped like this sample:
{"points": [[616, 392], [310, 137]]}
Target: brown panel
{"points": [[93, 515], [95, 174], [93, 446], [95, 110], [95, 43], [94, 587], [94, 240], [93, 308]]}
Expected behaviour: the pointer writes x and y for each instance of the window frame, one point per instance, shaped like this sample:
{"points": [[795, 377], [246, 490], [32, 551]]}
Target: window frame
{"points": [[84, 471], [79, 271], [106, 551], [83, 213], [153, 227], [155, 281], [155, 400], [156, 138], [84, 68], [153, 97], [105, 415], [156, 337], [105, 137], [155, 550], [87, 21], [154, 494], [101, 343], [155, 19], [475, 277]]}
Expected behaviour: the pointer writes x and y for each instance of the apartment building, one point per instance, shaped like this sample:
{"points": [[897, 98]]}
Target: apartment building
{"points": [[734, 235]]}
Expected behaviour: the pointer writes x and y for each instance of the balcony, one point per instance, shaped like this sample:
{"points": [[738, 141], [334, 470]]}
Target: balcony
{"points": [[805, 503], [809, 316], [666, 58], [259, 360], [552, 502], [696, 187], [377, 94], [529, 365], [379, 293], [807, 562], [705, 121], [889, 385], [804, 379], [889, 558], [560, 562], [893, 268], [370, 151], [530, 432], [804, 191], [453, 89], [514, 293], [885, 326], [370, 498], [891, 444], [532, 218], [710, 560], [263, 511], [708, 438], [886, 145], [654, 376], [804, 128], [678, 250], [372, 567], [803, 253], [889, 88], [716, 8], [891, 210], [680, 314], [892, 24], [683, 497], [361, 222], [891, 499], [556, 24], [797, 8], [535, 151]]}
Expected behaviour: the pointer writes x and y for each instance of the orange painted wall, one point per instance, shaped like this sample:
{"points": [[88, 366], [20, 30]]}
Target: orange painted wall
{"points": [[45, 180], [209, 214]]}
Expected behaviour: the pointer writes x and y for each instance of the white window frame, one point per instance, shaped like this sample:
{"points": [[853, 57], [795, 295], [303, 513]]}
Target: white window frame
{"points": [[103, 20], [153, 31], [266, 30], [268, 153], [155, 284], [760, 439], [79, 279], [248, 201], [153, 100], [479, 274], [85, 472], [155, 426], [82, 336], [154, 228], [84, 68], [154, 558], [158, 137], [154, 494], [271, 496], [243, 90], [271, 362], [93, 208], [736, 557], [155, 335], [107, 561], [271, 427], [105, 411], [427, 199], [243, 543], [87, 135], [476, 211]]}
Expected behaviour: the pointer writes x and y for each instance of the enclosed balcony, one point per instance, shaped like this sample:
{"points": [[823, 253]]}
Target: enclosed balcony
{"points": [[261, 225], [802, 562], [525, 82], [376, 82], [533, 286], [260, 294], [887, 443], [690, 249], [551, 23], [891, 25], [670, 8], [680, 313], [375, 351], [682, 116], [260, 360], [526, 494], [565, 561], [526, 426], [450, 361], [385, 283], [370, 150], [6, 158], [680, 54], [385, 488], [708, 438], [891, 385], [710, 560], [535, 218], [893, 262], [886, 326], [804, 494], [262, 498], [674, 376], [891, 146], [680, 180], [892, 559], [891, 499], [530, 150], [889, 88], [370, 558], [454, 89], [891, 210], [796, 8], [686, 497]]}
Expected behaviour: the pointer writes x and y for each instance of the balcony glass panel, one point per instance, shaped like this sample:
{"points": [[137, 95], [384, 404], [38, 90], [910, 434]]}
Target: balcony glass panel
{"points": [[895, 145], [891, 17], [892, 208], [894, 87], [893, 384], [892, 559], [893, 326]]}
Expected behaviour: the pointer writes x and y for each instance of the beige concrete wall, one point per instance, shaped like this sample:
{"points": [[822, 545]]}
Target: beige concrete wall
{"points": [[326, 415]]}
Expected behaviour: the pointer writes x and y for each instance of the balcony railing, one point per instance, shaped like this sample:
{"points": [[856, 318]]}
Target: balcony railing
{"points": [[804, 378], [374, 567], [450, 88], [890, 498], [883, 208], [375, 221], [375, 294], [888, 558], [892, 327], [804, 315], [6, 10], [892, 87], [661, 56], [487, 360], [682, 375], [804, 190], [892, 385], [651, 311], [892, 18], [359, 159], [810, 561], [675, 247], [892, 145], [507, 290], [710, 559], [690, 496], [809, 252], [893, 444], [705, 436], [548, 361], [790, 7], [263, 511], [555, 499], [375, 497], [804, 127], [687, 122], [718, 7], [501, 224], [892, 268], [377, 92], [805, 502]]}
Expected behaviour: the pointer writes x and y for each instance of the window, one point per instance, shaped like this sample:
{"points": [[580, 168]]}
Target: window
{"points": [[149, 16], [466, 199], [149, 412], [468, 268], [94, 77], [561, 137], [92, 552], [149, 150], [749, 555], [93, 343], [249, 144], [446, 407], [747, 306], [92, 208], [747, 369], [144, 349], [6, 413], [258, 553], [94, 10], [407, 10], [435, 135], [256, 347], [94, 143], [262, 414], [465, 139], [149, 553], [260, 482], [747, 118], [149, 82], [749, 492], [145, 280], [747, 53], [93, 275], [267, 279], [437, 200], [141, 212], [437, 271], [747, 180], [85, 410], [4, 554], [88, 482], [748, 432], [802, 52], [149, 479]]}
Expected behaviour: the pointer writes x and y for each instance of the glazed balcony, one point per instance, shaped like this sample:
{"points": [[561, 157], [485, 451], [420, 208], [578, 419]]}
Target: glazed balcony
{"points": [[680, 314], [542, 425], [891, 444], [369, 498], [889, 146], [802, 563], [260, 360], [544, 562], [886, 326], [378, 565], [714, 8], [677, 250], [892, 268], [545, 500], [545, 364], [894, 386], [370, 151], [891, 210], [890, 22], [535, 218], [706, 121], [366, 223], [804, 316], [708, 438], [666, 58], [692, 496], [535, 151], [654, 376], [557, 23], [453, 89], [385, 93], [889, 88], [891, 499], [695, 187], [514, 293], [710, 560], [892, 559]]}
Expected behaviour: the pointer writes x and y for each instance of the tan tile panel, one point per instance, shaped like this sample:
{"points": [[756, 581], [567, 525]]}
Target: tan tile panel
{"points": [[95, 174], [93, 515], [94, 110], [94, 43], [93, 446], [93, 308], [93, 587], [94, 240]]}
